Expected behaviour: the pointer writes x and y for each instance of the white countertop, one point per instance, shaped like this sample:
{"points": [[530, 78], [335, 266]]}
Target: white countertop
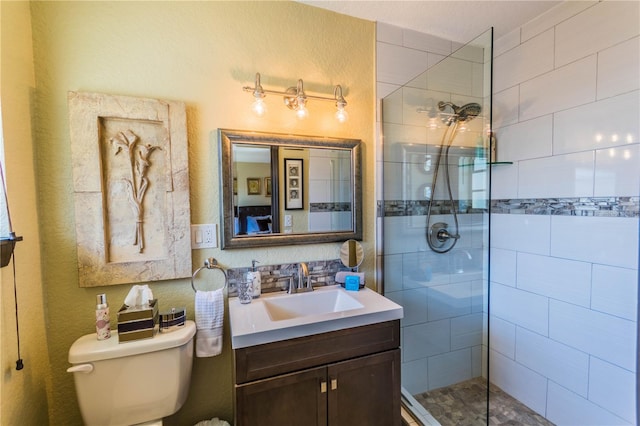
{"points": [[252, 325]]}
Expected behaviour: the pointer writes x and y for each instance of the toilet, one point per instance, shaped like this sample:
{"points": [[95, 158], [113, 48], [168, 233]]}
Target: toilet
{"points": [[132, 383]]}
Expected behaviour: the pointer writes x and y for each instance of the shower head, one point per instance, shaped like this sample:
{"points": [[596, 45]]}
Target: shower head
{"points": [[460, 114]]}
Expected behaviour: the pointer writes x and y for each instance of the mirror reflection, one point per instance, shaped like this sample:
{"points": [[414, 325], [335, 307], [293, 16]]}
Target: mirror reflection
{"points": [[279, 189]]}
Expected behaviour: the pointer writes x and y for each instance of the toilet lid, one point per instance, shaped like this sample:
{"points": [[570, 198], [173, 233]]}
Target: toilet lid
{"points": [[88, 348]]}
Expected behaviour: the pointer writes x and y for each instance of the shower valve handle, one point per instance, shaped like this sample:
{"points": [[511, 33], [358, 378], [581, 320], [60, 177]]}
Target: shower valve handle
{"points": [[443, 235]]}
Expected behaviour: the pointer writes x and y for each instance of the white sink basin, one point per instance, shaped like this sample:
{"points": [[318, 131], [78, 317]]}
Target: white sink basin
{"points": [[315, 303], [280, 316]]}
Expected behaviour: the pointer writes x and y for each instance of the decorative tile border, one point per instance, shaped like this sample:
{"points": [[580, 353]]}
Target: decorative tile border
{"points": [[275, 278], [419, 207], [329, 207], [591, 206], [585, 206]]}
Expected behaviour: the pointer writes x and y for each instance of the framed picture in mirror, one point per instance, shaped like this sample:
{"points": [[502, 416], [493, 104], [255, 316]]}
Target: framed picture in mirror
{"points": [[253, 186], [267, 187], [293, 184]]}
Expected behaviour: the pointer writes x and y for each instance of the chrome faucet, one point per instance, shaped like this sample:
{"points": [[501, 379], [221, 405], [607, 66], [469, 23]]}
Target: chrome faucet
{"points": [[304, 283]]}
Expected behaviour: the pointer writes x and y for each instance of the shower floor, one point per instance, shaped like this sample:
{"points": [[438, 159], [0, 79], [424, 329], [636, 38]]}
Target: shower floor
{"points": [[464, 404]]}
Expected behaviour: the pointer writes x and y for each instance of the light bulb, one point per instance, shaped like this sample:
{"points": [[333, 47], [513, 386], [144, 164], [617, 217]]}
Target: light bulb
{"points": [[258, 107], [301, 110], [341, 114]]}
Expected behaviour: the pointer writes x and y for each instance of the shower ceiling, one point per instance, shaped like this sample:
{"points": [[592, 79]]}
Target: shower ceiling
{"points": [[459, 21]]}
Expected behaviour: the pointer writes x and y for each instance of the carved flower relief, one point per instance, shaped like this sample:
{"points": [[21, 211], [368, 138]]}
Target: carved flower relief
{"points": [[137, 183]]}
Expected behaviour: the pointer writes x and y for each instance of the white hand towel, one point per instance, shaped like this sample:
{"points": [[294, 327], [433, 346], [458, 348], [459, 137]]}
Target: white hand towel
{"points": [[209, 308]]}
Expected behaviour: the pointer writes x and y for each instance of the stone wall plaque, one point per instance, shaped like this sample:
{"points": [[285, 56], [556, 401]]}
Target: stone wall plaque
{"points": [[131, 189]]}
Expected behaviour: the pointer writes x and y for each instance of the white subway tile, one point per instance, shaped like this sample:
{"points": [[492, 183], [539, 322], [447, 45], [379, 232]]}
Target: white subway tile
{"points": [[466, 331], [424, 268], [392, 273], [610, 22], [569, 175], [567, 408], [414, 304], [392, 106], [506, 42], [563, 88], [416, 100], [407, 237], [528, 233], [451, 76], [615, 291], [619, 69], [617, 171], [472, 51], [525, 309], [426, 42], [520, 382], [506, 107], [603, 240], [560, 363], [389, 33], [596, 125], [398, 65], [385, 89], [419, 81], [525, 140], [504, 180], [341, 221], [556, 278], [415, 376], [530, 59], [502, 335], [447, 369], [503, 266], [449, 300], [478, 361], [404, 144], [613, 388], [393, 188], [604, 336], [554, 16], [424, 340]]}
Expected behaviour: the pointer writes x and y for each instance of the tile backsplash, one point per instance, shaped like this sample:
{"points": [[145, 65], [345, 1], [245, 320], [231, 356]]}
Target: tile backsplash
{"points": [[275, 278]]}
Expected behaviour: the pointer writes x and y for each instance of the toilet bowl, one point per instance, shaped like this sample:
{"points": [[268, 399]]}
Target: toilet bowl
{"points": [[137, 382]]}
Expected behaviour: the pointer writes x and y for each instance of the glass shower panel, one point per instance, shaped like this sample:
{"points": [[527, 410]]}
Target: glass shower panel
{"points": [[435, 231]]}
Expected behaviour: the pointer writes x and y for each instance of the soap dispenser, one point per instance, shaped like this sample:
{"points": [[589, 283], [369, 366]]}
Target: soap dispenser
{"points": [[254, 276]]}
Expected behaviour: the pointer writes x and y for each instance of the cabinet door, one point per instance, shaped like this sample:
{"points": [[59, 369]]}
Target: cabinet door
{"points": [[365, 391], [292, 399]]}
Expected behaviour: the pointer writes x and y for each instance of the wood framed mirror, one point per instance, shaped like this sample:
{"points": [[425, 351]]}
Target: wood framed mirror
{"points": [[318, 201]]}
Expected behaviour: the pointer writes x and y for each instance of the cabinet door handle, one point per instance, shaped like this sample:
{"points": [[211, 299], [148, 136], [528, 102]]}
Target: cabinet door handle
{"points": [[323, 387], [334, 384]]}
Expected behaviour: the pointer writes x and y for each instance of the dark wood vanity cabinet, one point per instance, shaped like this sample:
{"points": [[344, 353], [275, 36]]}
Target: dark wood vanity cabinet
{"points": [[348, 377]]}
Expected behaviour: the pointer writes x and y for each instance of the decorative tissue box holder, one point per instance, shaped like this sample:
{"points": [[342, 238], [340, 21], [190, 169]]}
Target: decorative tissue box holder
{"points": [[135, 323]]}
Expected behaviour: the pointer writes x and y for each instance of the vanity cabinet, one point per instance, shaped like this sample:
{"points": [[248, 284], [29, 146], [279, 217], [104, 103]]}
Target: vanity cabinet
{"points": [[340, 378]]}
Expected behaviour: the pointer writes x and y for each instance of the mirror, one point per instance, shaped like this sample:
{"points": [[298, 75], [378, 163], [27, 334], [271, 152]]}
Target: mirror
{"points": [[351, 254], [287, 189]]}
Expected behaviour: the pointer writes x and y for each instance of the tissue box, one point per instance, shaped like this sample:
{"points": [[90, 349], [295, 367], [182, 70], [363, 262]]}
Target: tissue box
{"points": [[137, 323]]}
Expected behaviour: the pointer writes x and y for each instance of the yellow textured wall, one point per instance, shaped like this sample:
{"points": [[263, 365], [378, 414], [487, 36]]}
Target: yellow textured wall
{"points": [[23, 393], [201, 53]]}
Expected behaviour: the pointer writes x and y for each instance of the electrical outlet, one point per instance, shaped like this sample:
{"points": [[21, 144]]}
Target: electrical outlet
{"points": [[288, 220], [204, 236]]}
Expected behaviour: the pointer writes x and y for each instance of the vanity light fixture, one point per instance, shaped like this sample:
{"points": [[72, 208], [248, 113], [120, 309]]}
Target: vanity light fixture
{"points": [[296, 99], [258, 106]]}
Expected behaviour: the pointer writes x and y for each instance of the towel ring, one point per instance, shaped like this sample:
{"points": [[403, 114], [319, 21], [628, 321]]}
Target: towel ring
{"points": [[209, 263]]}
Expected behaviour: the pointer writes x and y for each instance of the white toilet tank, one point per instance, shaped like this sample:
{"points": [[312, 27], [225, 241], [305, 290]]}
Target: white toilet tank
{"points": [[133, 382]]}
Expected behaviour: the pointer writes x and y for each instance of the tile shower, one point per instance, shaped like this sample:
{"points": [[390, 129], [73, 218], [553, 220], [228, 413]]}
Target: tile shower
{"points": [[563, 247]]}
